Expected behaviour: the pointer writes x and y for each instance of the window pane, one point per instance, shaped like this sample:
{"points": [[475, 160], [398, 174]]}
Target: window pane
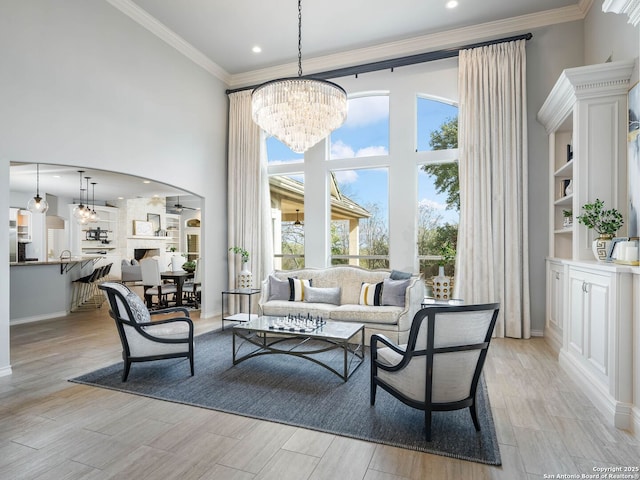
{"points": [[287, 212], [278, 152], [435, 125], [360, 218], [438, 216], [366, 131]]}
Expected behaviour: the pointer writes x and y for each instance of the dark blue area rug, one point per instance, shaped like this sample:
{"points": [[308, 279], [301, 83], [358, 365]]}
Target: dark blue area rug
{"points": [[297, 392]]}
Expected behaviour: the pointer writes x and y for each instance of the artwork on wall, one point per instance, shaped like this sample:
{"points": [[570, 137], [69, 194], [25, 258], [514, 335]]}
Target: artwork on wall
{"points": [[142, 228], [633, 146], [154, 218]]}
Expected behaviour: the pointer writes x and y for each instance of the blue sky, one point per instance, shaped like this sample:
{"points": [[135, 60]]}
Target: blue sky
{"points": [[366, 133]]}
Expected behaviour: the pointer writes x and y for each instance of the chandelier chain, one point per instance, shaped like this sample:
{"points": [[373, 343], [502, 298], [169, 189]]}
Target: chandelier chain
{"points": [[299, 38]]}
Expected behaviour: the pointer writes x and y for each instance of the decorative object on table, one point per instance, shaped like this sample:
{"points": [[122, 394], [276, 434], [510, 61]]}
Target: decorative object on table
{"points": [[37, 204], [442, 282], [245, 278], [605, 222], [568, 218], [624, 250], [299, 111], [189, 266], [177, 261]]}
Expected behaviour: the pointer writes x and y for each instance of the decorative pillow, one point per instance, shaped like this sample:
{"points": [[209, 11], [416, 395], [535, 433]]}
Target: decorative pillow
{"points": [[322, 295], [398, 275], [278, 289], [138, 309], [393, 292], [370, 293], [297, 289]]}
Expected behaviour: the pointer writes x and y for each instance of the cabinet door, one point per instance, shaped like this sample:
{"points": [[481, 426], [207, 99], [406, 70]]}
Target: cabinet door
{"points": [[597, 320], [575, 335], [555, 304]]}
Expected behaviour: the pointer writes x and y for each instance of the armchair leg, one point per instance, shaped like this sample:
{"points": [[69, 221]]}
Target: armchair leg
{"points": [[125, 372], [474, 416], [373, 393], [191, 363], [427, 424]]}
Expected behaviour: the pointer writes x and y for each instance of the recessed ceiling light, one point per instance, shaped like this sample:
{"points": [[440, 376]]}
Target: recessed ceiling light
{"points": [[256, 49], [146, 181], [120, 198], [56, 176], [451, 4]]}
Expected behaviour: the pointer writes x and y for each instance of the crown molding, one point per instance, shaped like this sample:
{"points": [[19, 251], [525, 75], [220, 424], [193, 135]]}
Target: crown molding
{"points": [[628, 7], [421, 44], [141, 17], [384, 51]]}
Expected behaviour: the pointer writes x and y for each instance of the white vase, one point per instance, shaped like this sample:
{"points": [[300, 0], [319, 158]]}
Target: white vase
{"points": [[600, 247], [245, 278], [441, 285]]}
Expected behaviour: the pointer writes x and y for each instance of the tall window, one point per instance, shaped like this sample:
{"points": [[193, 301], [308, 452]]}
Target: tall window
{"points": [[287, 213], [438, 187], [360, 217], [366, 130]]}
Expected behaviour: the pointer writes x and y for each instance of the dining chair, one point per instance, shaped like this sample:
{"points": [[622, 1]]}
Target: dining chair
{"points": [[153, 285], [440, 366], [192, 289]]}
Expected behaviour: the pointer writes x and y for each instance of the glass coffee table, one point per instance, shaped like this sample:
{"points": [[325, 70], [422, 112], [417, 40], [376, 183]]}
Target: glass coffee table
{"points": [[306, 339]]}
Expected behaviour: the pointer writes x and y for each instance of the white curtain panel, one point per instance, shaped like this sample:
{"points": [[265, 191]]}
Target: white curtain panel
{"points": [[492, 262], [249, 203]]}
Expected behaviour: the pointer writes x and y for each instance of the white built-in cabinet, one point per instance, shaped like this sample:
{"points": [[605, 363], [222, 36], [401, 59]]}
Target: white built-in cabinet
{"points": [[589, 311]]}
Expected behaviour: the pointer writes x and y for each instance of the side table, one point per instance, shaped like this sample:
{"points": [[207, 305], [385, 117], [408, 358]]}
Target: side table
{"points": [[239, 317]]}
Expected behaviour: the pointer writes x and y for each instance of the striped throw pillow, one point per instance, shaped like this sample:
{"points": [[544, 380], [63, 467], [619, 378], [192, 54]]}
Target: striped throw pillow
{"points": [[297, 287], [370, 293]]}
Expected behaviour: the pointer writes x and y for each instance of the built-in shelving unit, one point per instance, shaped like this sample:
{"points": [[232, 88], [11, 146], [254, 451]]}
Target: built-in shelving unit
{"points": [[95, 238], [173, 232], [589, 303], [24, 226]]}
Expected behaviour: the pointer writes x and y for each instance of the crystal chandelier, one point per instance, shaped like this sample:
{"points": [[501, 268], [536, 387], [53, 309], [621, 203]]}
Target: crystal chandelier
{"points": [[299, 111]]}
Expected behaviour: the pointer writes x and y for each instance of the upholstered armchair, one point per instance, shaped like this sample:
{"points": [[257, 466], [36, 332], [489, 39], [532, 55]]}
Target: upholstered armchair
{"points": [[439, 368], [144, 340]]}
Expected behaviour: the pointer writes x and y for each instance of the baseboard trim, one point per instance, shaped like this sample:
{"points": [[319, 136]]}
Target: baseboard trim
{"points": [[620, 414], [537, 333], [5, 371], [37, 318]]}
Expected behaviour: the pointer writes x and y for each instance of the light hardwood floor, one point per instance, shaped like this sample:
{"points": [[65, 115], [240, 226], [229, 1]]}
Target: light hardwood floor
{"points": [[53, 429]]}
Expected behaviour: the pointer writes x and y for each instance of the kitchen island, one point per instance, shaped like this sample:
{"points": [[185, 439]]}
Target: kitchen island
{"points": [[42, 289]]}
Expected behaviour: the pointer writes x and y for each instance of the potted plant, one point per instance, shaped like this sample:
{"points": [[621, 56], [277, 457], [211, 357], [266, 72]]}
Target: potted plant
{"points": [[189, 266], [245, 279], [568, 218], [442, 282], [606, 222]]}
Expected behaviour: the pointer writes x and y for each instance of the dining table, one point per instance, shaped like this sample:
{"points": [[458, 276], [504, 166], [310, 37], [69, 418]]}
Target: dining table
{"points": [[178, 278]]}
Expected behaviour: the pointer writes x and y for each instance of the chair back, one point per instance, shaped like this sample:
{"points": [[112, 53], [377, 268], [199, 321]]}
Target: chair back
{"points": [[150, 269], [197, 274], [446, 350]]}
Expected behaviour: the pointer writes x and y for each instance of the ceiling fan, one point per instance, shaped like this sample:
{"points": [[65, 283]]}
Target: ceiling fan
{"points": [[178, 207]]}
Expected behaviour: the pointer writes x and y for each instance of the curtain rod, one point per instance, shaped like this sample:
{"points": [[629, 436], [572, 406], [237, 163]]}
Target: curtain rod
{"points": [[399, 62]]}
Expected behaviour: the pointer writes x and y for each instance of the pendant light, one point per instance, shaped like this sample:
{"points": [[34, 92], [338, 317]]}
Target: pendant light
{"points": [[94, 217], [38, 204], [297, 222], [299, 111], [78, 211]]}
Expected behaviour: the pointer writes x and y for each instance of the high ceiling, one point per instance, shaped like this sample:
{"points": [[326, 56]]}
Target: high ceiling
{"points": [[226, 31]]}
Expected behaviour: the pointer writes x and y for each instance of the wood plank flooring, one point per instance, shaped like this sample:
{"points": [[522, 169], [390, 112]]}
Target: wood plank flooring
{"points": [[54, 429]]}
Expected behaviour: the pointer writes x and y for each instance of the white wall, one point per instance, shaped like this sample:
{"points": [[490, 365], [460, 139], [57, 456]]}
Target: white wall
{"points": [[84, 85], [609, 35]]}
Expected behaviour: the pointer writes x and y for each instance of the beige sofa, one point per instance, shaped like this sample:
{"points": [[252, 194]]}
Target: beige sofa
{"points": [[392, 321]]}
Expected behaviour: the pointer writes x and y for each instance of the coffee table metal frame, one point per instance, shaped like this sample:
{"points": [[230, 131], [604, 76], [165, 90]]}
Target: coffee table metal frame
{"points": [[271, 341]]}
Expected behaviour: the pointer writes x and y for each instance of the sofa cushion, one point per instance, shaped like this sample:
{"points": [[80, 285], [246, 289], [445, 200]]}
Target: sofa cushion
{"points": [[282, 308], [297, 287], [393, 292], [366, 314], [370, 293], [322, 295], [278, 289], [398, 275]]}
